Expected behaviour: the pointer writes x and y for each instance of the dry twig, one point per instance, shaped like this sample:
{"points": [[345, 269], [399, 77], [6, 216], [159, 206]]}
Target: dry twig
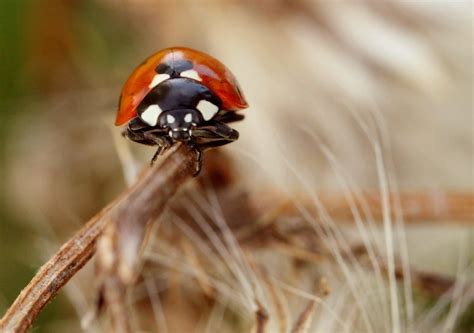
{"points": [[119, 247], [278, 300], [261, 319], [53, 275], [422, 206], [129, 216], [304, 320], [130, 213]]}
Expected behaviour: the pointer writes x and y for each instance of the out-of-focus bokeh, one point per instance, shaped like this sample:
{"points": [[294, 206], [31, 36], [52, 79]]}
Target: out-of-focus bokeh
{"points": [[311, 70]]}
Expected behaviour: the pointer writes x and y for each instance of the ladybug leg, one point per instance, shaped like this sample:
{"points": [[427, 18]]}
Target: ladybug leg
{"points": [[228, 117], [140, 132], [214, 144], [215, 131], [136, 130], [192, 143], [214, 134], [162, 142], [158, 152], [138, 137]]}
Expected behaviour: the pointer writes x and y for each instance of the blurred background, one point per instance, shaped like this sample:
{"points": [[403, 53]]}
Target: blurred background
{"points": [[312, 71]]}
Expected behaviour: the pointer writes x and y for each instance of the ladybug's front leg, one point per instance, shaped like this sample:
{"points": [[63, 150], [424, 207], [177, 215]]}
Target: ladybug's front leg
{"points": [[137, 136], [214, 134], [163, 142], [142, 133], [138, 131], [192, 143]]}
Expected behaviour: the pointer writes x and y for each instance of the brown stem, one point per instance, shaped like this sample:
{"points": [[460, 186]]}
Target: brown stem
{"points": [[115, 301], [143, 201], [52, 276], [304, 320], [119, 247], [261, 319], [423, 206]]}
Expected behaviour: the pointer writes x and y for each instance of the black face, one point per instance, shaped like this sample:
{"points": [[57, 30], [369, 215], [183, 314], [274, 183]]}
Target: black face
{"points": [[180, 123], [173, 105]]}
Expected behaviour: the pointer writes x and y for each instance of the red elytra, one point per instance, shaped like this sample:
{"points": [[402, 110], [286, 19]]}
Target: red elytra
{"points": [[214, 75]]}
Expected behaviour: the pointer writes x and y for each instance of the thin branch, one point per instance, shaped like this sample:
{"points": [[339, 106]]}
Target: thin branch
{"points": [[434, 207], [53, 275], [303, 323], [304, 320], [119, 246], [422, 206], [142, 202], [115, 302], [431, 283], [261, 321], [278, 300]]}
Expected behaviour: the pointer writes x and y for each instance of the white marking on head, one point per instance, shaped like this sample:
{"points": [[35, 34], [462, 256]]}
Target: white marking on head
{"points": [[170, 119], [192, 74], [157, 79], [208, 110], [151, 114], [188, 118]]}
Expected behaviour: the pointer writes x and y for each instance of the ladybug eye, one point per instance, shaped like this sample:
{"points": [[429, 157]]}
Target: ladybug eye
{"points": [[188, 118], [150, 115], [157, 79], [207, 109], [170, 119], [191, 74]]}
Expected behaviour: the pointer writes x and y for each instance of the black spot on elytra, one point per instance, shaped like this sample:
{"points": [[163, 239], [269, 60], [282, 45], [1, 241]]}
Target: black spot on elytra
{"points": [[174, 68], [162, 68]]}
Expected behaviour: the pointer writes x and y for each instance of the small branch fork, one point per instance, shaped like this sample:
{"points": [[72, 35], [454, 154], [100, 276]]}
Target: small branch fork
{"points": [[124, 221]]}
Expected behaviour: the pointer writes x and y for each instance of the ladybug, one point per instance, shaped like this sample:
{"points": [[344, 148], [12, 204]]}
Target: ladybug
{"points": [[180, 95]]}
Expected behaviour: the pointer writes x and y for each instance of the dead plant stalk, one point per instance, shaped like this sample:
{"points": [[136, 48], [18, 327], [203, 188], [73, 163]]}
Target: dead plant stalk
{"points": [[125, 221]]}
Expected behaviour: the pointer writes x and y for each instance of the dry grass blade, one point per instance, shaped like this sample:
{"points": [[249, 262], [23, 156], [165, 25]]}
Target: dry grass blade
{"points": [[303, 323], [278, 300], [304, 320], [139, 204], [428, 206], [261, 319]]}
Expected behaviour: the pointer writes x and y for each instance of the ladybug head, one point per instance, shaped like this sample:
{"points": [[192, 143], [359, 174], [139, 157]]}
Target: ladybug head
{"points": [[180, 123]]}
